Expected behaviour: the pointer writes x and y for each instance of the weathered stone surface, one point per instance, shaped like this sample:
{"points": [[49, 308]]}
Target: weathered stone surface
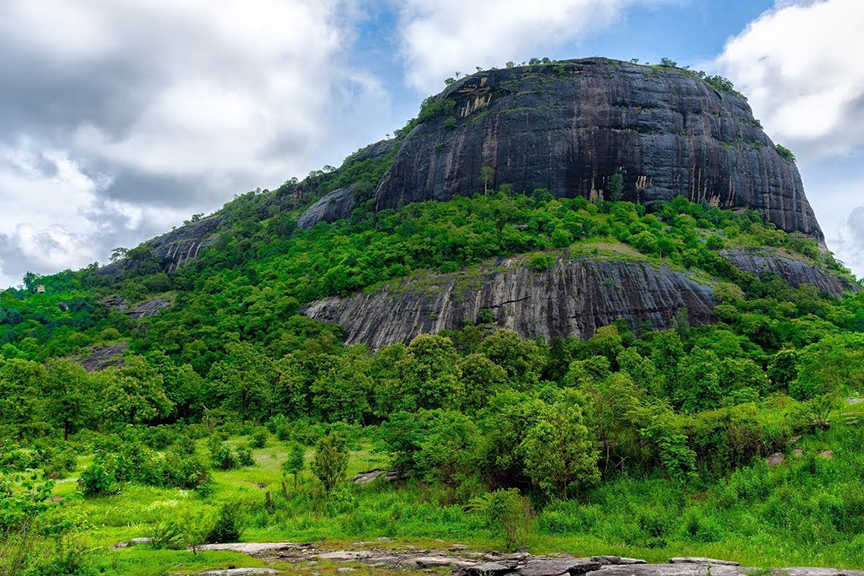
{"points": [[617, 560], [671, 570], [827, 454], [132, 542], [346, 555], [492, 568], [175, 248], [569, 127], [239, 572], [701, 560], [573, 297], [334, 206], [148, 308], [776, 459], [251, 548], [102, 357], [554, 566], [795, 272], [438, 561]]}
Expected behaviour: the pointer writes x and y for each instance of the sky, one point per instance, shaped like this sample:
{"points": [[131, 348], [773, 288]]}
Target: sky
{"points": [[121, 118]]}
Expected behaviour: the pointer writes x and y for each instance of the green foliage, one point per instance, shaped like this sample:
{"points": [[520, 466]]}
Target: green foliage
{"points": [[330, 461], [230, 524], [508, 513], [295, 463], [785, 154], [616, 187], [98, 479]]}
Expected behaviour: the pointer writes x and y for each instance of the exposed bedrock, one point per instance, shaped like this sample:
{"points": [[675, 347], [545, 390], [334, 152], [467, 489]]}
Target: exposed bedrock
{"points": [[573, 297], [569, 127], [795, 272]]}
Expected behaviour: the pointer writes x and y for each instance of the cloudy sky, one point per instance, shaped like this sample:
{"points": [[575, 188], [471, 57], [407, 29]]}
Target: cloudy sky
{"points": [[121, 118]]}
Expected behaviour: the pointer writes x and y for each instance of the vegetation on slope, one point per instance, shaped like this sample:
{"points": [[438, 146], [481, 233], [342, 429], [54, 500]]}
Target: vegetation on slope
{"points": [[648, 443]]}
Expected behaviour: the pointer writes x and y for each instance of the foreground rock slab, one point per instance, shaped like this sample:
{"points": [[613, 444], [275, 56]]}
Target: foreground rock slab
{"points": [[556, 566], [251, 548], [701, 560], [239, 572]]}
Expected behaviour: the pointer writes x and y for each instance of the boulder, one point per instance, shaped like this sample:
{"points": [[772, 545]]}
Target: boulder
{"points": [[700, 560], [554, 566], [334, 206]]}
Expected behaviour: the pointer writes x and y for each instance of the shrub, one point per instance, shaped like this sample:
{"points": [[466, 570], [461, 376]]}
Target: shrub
{"points": [[224, 458], [244, 457], [508, 513], [229, 524], [330, 461], [98, 479], [259, 438]]}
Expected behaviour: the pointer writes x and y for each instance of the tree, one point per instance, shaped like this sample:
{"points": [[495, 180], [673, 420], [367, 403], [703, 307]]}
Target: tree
{"points": [[134, 394], [295, 463], [243, 380], [330, 461], [22, 384], [558, 451], [487, 176], [69, 395], [429, 374], [118, 253], [616, 187], [481, 380]]}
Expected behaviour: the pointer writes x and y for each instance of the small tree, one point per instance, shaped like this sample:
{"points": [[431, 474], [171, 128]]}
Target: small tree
{"points": [[295, 463], [487, 176], [330, 461], [616, 187]]}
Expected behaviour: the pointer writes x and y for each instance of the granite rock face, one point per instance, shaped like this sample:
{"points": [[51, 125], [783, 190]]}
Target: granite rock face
{"points": [[573, 297], [795, 272], [334, 206], [569, 127]]}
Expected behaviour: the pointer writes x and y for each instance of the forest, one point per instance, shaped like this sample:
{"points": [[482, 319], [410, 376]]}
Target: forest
{"points": [[232, 416]]}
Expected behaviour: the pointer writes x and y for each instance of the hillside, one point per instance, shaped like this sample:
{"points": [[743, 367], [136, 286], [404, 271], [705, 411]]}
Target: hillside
{"points": [[625, 336]]}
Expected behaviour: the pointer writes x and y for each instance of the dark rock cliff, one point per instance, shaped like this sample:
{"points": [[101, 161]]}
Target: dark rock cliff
{"points": [[795, 272], [573, 297], [568, 127]]}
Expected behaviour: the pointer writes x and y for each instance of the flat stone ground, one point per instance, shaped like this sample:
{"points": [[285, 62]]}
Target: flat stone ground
{"points": [[384, 557]]}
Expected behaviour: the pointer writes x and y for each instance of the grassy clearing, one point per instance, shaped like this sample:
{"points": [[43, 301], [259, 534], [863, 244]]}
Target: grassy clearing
{"points": [[800, 513]]}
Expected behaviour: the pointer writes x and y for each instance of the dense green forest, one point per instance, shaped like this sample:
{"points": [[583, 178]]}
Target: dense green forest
{"points": [[642, 441]]}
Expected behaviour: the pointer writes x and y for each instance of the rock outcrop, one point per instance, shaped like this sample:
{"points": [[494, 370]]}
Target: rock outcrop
{"points": [[795, 272], [568, 127], [573, 297], [102, 357], [333, 206]]}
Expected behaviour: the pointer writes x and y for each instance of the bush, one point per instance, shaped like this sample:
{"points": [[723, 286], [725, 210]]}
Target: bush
{"points": [[98, 479], [244, 457], [259, 438], [508, 513], [330, 461], [223, 458], [180, 470], [229, 524]]}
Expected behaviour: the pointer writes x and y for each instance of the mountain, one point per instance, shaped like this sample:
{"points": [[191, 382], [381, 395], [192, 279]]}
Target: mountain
{"points": [[582, 304], [570, 127]]}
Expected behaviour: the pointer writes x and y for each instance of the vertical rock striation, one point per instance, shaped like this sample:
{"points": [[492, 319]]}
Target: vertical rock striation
{"points": [[574, 297], [568, 127]]}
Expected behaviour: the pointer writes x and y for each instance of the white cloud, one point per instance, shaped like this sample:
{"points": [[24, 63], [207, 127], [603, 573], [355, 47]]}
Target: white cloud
{"points": [[161, 107], [53, 216], [439, 38], [799, 64]]}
